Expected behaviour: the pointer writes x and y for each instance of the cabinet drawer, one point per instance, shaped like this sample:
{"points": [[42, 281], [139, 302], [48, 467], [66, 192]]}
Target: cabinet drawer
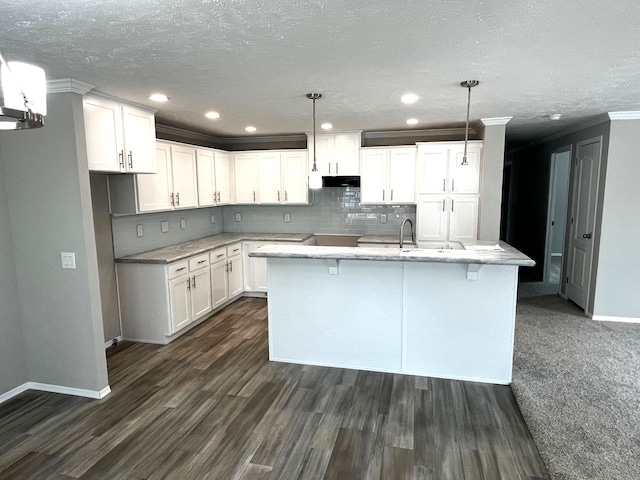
{"points": [[198, 261], [235, 249], [178, 268], [217, 255]]}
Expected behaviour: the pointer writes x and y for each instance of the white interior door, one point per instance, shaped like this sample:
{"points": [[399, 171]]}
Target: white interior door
{"points": [[583, 212]]}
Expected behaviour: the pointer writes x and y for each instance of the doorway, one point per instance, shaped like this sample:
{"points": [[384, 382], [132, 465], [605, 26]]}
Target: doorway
{"points": [[583, 219], [557, 214]]}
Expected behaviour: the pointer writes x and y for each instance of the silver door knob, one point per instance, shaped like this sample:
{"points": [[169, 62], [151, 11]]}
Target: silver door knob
{"points": [[586, 235]]}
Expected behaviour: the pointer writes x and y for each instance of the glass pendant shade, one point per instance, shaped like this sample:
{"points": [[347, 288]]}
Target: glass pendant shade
{"points": [[315, 179]]}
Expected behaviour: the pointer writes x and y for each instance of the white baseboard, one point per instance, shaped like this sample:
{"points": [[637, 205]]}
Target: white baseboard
{"points": [[45, 387], [607, 318], [110, 342]]}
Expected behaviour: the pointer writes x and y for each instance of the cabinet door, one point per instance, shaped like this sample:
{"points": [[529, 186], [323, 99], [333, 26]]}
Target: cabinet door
{"points": [[223, 178], [201, 292], [180, 300], [206, 178], [219, 283], [103, 133], [247, 273], [295, 177], [402, 175], [373, 186], [139, 140], [246, 181], [154, 190], [185, 179], [324, 154], [260, 274], [269, 185], [347, 154], [236, 284], [433, 161], [432, 217], [463, 221], [465, 178]]}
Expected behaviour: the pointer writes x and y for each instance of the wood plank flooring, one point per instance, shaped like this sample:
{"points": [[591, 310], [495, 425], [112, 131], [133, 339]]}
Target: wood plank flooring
{"points": [[211, 406]]}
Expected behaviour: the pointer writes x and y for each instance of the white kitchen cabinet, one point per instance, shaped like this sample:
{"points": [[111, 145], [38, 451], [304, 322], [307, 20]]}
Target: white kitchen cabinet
{"points": [[226, 273], [336, 154], [245, 167], [120, 138], [174, 186], [223, 177], [388, 175], [213, 177], [440, 168], [254, 269], [269, 178], [180, 301], [235, 280], [442, 218]]}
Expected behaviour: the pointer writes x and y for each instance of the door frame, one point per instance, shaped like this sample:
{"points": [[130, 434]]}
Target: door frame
{"points": [[551, 208], [570, 225]]}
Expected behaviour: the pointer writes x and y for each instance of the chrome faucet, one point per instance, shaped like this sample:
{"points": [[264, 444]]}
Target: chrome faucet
{"points": [[413, 234]]}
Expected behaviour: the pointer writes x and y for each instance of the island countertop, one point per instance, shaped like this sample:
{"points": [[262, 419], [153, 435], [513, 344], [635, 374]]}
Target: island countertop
{"points": [[486, 253], [180, 251]]}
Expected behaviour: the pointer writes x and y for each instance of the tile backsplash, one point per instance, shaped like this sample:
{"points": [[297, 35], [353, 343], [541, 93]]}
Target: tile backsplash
{"points": [[332, 210]]}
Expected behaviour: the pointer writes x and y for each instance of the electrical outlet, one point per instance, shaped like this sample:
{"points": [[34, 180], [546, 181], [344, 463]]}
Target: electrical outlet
{"points": [[164, 227], [139, 230], [287, 217], [383, 218], [183, 223], [238, 217], [213, 218]]}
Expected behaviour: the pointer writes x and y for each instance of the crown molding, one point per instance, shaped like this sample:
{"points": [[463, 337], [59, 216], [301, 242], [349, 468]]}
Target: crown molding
{"points": [[202, 137], [68, 85], [215, 140], [631, 115], [495, 121], [432, 132], [298, 137]]}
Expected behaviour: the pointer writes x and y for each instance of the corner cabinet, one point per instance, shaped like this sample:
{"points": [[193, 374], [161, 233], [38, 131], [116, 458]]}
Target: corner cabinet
{"points": [[120, 138], [336, 154], [388, 175], [174, 186], [448, 192]]}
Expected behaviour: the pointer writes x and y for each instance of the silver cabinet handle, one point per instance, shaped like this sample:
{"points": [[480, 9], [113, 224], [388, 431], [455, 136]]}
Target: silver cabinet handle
{"points": [[218, 196], [286, 196], [383, 194], [336, 168], [329, 168], [221, 255], [173, 203], [121, 158], [231, 266], [278, 195], [444, 184], [226, 267], [194, 281], [443, 204], [452, 204], [130, 157], [392, 194], [180, 269], [178, 198], [254, 195], [236, 249], [188, 283], [453, 185], [201, 261]]}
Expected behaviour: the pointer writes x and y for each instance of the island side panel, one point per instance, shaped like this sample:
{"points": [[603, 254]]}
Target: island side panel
{"points": [[348, 320], [457, 328]]}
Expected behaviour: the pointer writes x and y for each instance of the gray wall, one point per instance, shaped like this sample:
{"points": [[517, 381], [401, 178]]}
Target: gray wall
{"points": [[617, 284], [126, 241], [334, 210], [491, 178], [561, 194], [12, 352], [49, 200]]}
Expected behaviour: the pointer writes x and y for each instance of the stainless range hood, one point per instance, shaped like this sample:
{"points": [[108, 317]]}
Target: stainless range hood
{"points": [[341, 181]]}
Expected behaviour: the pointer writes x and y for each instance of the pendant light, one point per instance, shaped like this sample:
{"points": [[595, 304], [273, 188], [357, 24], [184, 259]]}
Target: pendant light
{"points": [[24, 91], [468, 84], [315, 179]]}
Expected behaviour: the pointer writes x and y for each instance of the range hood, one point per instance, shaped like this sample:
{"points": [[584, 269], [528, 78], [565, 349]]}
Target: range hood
{"points": [[341, 181]]}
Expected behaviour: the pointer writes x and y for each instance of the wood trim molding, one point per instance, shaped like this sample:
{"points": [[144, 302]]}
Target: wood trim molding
{"points": [[68, 85], [630, 115], [495, 121]]}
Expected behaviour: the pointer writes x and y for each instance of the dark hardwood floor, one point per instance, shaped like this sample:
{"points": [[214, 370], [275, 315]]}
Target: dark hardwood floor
{"points": [[211, 406]]}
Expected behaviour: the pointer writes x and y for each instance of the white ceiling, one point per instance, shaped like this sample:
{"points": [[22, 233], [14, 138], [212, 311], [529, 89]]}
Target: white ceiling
{"points": [[254, 61]]}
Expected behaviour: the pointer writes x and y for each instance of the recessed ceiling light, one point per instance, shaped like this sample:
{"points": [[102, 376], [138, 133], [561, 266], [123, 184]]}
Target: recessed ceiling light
{"points": [[409, 98], [212, 115], [326, 126], [250, 129], [555, 116], [412, 121], [158, 97]]}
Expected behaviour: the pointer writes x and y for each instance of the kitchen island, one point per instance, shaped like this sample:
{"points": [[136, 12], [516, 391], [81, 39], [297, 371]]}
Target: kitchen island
{"points": [[430, 312]]}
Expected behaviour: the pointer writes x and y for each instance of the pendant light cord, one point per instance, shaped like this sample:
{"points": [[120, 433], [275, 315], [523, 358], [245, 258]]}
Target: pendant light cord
{"points": [[467, 84], [315, 168]]}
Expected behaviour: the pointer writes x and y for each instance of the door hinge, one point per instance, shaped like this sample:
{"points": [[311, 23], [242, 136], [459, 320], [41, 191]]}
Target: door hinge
{"points": [[552, 223], [567, 280], [571, 220]]}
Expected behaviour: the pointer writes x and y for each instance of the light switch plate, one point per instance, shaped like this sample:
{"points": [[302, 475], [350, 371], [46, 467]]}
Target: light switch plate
{"points": [[383, 218], [68, 259], [287, 217], [238, 217], [139, 230], [183, 223], [213, 218], [164, 227]]}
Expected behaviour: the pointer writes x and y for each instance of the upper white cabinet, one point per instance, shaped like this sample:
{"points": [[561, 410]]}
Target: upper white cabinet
{"points": [[174, 186], [388, 175], [336, 154], [120, 138], [271, 177], [440, 169], [214, 186]]}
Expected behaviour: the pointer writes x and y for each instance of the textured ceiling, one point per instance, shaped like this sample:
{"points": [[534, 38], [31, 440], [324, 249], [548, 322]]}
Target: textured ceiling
{"points": [[254, 61]]}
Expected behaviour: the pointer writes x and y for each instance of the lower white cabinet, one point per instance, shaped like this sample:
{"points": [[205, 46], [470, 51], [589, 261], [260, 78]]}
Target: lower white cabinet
{"points": [[226, 273], [442, 217]]}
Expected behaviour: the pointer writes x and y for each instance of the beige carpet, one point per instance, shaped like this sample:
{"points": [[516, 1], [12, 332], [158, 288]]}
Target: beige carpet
{"points": [[577, 383]]}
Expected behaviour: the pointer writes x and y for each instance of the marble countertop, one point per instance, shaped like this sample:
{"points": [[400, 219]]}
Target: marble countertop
{"points": [[384, 239], [488, 253], [184, 250]]}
